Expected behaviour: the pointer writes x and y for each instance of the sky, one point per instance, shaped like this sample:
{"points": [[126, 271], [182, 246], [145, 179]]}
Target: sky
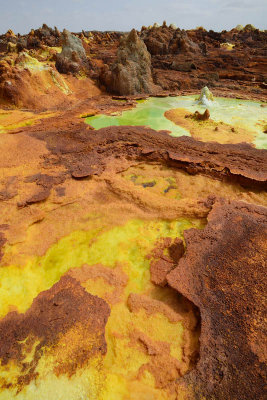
{"points": [[123, 15]]}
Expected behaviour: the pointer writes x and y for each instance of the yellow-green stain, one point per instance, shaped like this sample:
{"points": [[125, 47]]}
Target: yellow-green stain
{"points": [[4, 129], [127, 245]]}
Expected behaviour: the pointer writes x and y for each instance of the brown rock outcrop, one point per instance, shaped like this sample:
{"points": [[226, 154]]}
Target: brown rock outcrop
{"points": [[86, 154], [232, 63], [164, 40], [223, 274], [201, 117], [131, 73], [191, 59], [164, 257], [72, 59]]}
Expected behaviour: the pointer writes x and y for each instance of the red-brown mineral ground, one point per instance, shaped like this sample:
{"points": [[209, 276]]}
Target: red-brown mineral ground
{"points": [[65, 310], [223, 273]]}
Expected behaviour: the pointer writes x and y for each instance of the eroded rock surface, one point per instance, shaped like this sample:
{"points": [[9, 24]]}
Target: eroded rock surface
{"points": [[87, 152], [131, 73], [103, 214], [231, 63], [73, 57], [223, 274], [92, 222], [165, 257], [166, 40]]}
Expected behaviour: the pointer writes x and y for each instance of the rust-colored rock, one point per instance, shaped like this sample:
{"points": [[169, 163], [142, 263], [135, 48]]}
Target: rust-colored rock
{"points": [[232, 63], [86, 154], [164, 40], [201, 117], [223, 274], [45, 157], [164, 258], [65, 307]]}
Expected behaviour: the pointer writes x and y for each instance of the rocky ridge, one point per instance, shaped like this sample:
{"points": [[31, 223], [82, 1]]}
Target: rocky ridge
{"points": [[176, 61]]}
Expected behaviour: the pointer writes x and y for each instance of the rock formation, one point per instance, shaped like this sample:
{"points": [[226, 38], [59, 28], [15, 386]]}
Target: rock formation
{"points": [[206, 97], [131, 260], [73, 57], [201, 117], [164, 40], [180, 60], [223, 274], [131, 73]]}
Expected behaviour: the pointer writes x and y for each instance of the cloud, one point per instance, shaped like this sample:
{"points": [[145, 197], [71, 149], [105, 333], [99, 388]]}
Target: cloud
{"points": [[125, 14], [245, 4]]}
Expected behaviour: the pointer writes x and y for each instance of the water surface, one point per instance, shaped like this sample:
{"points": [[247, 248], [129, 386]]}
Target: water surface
{"points": [[243, 113]]}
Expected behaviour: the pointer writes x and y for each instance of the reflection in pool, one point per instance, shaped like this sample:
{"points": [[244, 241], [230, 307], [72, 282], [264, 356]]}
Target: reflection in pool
{"points": [[239, 113]]}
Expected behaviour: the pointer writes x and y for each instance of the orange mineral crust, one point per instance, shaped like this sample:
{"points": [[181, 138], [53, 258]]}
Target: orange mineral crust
{"points": [[201, 127]]}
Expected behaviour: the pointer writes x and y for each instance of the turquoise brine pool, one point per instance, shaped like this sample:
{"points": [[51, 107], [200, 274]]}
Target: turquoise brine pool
{"points": [[243, 113]]}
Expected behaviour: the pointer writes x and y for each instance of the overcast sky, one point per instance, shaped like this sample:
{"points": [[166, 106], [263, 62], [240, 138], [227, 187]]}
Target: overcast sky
{"points": [[75, 15]]}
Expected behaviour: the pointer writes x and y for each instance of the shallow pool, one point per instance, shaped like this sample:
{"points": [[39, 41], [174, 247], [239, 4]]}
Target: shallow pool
{"points": [[243, 113]]}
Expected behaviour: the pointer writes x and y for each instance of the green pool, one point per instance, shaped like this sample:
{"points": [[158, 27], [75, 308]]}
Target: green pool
{"points": [[243, 113]]}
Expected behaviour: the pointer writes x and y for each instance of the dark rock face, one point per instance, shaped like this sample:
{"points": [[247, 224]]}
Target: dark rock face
{"points": [[157, 40], [73, 57], [41, 36], [164, 40], [131, 73], [223, 274], [186, 60]]}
